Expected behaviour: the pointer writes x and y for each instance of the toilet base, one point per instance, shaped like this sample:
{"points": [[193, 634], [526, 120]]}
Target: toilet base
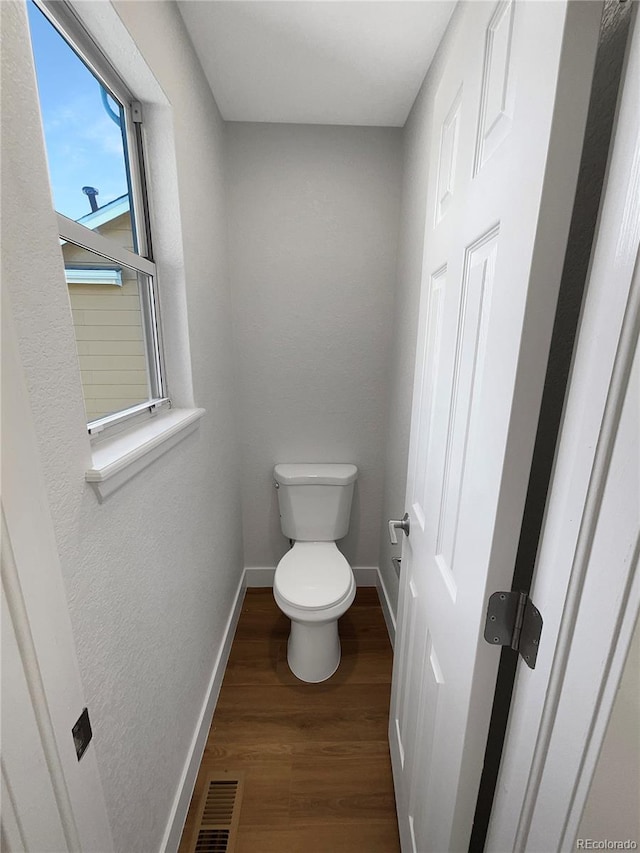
{"points": [[313, 650]]}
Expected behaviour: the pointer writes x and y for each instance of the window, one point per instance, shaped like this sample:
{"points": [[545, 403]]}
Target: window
{"points": [[93, 136]]}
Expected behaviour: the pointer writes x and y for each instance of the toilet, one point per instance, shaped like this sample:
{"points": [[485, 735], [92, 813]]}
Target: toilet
{"points": [[314, 585]]}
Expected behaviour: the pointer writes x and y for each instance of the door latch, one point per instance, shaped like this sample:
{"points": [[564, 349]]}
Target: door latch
{"points": [[513, 620]]}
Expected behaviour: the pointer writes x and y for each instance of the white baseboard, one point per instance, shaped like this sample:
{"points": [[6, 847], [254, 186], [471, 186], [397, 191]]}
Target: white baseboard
{"points": [[387, 610], [259, 576], [366, 575], [178, 814]]}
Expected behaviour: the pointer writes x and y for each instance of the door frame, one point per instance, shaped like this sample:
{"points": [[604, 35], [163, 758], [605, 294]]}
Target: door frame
{"points": [[34, 586], [542, 788]]}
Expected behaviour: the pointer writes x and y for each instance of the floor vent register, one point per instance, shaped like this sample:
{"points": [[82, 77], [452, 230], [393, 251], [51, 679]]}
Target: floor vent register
{"points": [[218, 814]]}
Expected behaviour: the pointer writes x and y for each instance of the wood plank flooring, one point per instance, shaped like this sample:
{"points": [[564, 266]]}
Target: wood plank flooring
{"points": [[315, 756]]}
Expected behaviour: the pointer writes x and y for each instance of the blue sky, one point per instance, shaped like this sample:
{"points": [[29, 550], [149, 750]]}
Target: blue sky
{"points": [[84, 145]]}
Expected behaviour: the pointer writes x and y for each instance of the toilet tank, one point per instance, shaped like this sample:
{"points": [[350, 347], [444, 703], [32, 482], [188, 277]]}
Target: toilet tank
{"points": [[315, 500]]}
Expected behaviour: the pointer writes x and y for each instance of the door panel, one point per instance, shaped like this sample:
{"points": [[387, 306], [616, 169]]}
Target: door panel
{"points": [[471, 333], [429, 364], [498, 85]]}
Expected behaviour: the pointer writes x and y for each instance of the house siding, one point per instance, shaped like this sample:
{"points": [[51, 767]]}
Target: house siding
{"points": [[109, 333]]}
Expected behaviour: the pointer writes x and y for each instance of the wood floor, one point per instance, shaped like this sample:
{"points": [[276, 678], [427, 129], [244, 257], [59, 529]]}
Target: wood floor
{"points": [[315, 756]]}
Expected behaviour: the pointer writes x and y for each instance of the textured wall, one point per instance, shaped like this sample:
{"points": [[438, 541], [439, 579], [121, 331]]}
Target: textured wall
{"points": [[312, 239], [151, 573], [416, 140]]}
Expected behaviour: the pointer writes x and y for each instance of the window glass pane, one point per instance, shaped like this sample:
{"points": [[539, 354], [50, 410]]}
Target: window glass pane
{"points": [[84, 129], [107, 302]]}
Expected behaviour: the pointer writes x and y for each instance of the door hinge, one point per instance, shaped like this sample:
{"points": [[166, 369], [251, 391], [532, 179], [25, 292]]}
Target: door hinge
{"points": [[513, 620]]}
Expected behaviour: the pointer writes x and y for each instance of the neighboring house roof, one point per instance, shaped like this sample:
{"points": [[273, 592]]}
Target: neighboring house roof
{"points": [[106, 213]]}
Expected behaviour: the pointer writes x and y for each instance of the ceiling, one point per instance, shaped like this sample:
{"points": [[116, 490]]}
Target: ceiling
{"points": [[316, 61]]}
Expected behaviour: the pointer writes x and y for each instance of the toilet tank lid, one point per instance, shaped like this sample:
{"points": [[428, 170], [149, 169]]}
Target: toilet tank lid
{"points": [[319, 474]]}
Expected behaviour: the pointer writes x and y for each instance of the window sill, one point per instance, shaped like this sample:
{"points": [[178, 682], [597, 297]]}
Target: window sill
{"points": [[116, 460]]}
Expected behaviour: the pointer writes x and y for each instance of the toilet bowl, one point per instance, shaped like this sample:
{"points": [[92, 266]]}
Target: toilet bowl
{"points": [[314, 586]]}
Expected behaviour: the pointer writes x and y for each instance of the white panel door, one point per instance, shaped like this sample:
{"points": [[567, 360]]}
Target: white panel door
{"points": [[51, 801], [502, 177], [31, 818]]}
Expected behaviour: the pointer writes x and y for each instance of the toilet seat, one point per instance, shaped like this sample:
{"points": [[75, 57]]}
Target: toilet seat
{"points": [[314, 576]]}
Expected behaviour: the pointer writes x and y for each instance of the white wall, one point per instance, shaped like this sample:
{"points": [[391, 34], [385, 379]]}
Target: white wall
{"points": [[313, 222], [612, 810], [416, 140], [150, 574]]}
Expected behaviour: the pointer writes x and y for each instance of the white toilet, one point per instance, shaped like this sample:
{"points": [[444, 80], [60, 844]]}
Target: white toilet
{"points": [[314, 584]]}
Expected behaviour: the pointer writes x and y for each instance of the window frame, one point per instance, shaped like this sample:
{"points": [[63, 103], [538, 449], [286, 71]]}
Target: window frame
{"points": [[63, 18]]}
